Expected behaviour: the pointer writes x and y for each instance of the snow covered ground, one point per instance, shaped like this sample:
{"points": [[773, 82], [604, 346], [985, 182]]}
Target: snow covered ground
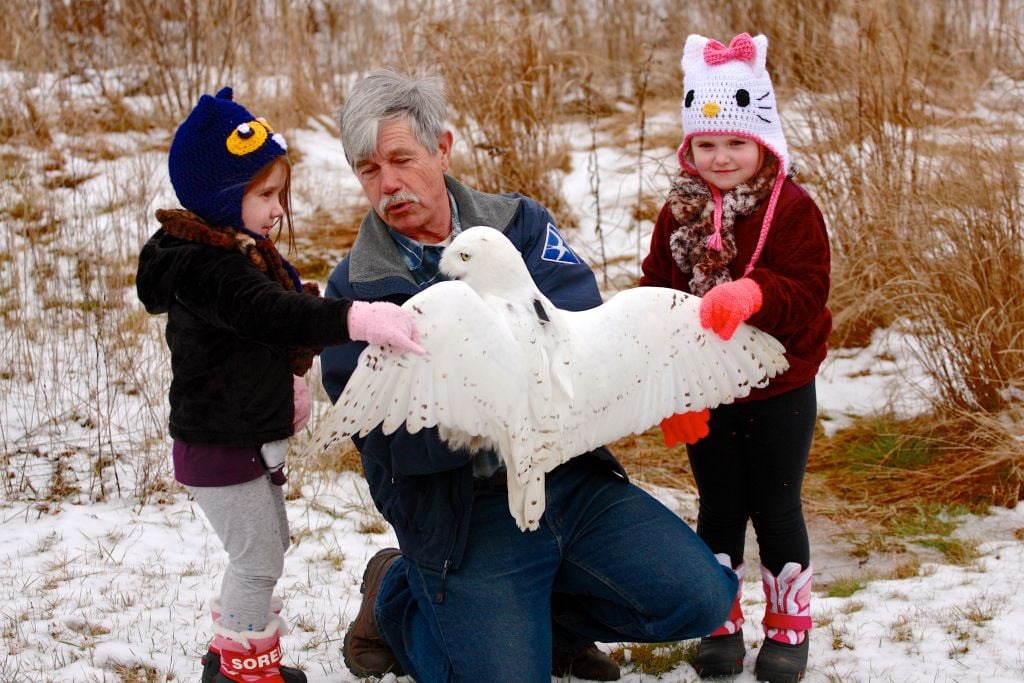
{"points": [[93, 591], [92, 588]]}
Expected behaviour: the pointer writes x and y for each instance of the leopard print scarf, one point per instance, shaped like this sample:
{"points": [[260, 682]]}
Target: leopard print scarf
{"points": [[693, 206], [262, 252]]}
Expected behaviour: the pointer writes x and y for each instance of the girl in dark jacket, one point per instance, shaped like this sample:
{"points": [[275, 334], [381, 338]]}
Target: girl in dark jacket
{"points": [[737, 231], [242, 330]]}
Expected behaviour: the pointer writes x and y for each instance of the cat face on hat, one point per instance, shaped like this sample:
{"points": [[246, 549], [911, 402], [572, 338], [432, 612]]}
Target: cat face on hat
{"points": [[215, 153], [728, 91]]}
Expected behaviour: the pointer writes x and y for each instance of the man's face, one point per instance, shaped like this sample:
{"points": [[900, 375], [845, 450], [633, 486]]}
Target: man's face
{"points": [[404, 182]]}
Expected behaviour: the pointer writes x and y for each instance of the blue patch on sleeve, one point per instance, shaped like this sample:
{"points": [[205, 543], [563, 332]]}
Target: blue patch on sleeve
{"points": [[555, 248]]}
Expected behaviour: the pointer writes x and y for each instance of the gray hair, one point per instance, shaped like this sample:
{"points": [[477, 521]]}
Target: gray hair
{"points": [[386, 95]]}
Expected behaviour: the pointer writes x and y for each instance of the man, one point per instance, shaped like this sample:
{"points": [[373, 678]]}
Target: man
{"points": [[470, 597]]}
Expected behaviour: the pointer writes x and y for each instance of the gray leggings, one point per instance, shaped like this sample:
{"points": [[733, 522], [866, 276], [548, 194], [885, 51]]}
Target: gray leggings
{"points": [[251, 521]]}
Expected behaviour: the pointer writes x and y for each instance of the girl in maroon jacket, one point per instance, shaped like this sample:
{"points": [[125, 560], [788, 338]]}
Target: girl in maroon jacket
{"points": [[737, 231]]}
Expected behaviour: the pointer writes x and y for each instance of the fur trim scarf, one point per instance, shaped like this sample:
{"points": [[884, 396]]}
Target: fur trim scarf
{"points": [[693, 207], [188, 226]]}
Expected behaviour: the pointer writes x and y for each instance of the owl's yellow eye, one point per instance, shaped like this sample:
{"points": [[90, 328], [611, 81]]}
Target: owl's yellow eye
{"points": [[246, 138], [270, 129], [464, 256]]}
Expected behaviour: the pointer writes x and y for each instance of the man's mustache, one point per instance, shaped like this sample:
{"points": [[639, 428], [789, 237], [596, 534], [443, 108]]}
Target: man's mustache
{"points": [[398, 197]]}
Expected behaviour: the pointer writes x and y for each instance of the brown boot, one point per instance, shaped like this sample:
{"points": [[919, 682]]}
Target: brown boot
{"points": [[364, 650], [588, 663]]}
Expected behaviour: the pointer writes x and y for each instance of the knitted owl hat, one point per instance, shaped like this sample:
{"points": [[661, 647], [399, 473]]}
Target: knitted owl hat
{"points": [[215, 153], [727, 91]]}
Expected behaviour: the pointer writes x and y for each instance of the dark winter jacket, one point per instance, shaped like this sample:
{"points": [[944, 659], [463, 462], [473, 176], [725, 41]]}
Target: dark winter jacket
{"points": [[793, 272], [423, 488], [229, 328]]}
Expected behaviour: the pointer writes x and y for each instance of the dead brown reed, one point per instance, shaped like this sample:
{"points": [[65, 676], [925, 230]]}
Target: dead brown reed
{"points": [[896, 113], [507, 82], [881, 466]]}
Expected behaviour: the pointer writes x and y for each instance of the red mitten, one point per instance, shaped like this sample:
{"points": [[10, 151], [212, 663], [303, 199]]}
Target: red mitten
{"points": [[688, 427], [726, 305], [380, 322], [303, 403]]}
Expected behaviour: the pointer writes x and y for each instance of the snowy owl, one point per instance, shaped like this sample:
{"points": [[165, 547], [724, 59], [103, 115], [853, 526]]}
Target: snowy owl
{"points": [[506, 370]]}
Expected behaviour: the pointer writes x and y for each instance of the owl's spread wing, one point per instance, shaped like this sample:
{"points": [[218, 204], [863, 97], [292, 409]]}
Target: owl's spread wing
{"points": [[471, 380], [643, 356]]}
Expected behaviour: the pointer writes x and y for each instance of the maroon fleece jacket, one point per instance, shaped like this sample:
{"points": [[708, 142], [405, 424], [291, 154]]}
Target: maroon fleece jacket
{"points": [[793, 271]]}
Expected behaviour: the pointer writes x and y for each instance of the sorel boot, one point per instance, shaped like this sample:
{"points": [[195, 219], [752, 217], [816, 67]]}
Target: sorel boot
{"points": [[787, 618], [211, 660], [721, 653], [251, 656]]}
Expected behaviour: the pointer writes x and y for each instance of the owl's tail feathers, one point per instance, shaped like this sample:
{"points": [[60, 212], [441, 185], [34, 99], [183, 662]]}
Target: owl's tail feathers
{"points": [[526, 501]]}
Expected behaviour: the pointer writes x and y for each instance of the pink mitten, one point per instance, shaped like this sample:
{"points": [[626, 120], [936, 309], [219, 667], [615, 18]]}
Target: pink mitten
{"points": [[303, 403], [688, 427], [380, 322], [726, 305]]}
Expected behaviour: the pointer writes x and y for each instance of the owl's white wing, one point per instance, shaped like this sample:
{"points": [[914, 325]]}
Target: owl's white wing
{"points": [[643, 356], [471, 380]]}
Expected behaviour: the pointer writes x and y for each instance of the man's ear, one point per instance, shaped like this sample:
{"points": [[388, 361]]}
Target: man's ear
{"points": [[444, 147]]}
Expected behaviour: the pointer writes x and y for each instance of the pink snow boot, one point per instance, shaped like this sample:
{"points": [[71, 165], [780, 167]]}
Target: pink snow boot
{"points": [[211, 660], [721, 653], [252, 656], [787, 618]]}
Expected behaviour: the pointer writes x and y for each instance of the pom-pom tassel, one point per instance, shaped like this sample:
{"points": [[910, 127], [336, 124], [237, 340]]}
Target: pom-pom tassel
{"points": [[714, 240]]}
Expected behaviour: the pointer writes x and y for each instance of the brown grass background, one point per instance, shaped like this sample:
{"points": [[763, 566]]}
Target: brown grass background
{"points": [[903, 117]]}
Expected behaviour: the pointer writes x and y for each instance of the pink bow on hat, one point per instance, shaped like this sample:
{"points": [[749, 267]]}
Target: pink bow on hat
{"points": [[741, 47]]}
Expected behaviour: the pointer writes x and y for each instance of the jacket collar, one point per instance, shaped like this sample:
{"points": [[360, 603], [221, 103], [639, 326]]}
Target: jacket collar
{"points": [[375, 256]]}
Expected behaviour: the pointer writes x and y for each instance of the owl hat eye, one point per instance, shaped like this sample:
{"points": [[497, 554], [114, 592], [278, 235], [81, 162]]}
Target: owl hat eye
{"points": [[246, 138]]}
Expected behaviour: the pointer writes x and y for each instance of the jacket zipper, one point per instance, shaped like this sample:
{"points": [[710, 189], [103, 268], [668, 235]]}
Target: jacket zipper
{"points": [[439, 598]]}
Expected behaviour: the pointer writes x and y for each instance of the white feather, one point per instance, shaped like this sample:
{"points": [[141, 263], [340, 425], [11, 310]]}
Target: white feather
{"points": [[496, 375]]}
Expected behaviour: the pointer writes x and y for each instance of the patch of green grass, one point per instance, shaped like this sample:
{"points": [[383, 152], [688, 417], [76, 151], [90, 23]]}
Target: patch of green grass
{"points": [[929, 519], [956, 551], [865, 544], [845, 586], [655, 659], [888, 448]]}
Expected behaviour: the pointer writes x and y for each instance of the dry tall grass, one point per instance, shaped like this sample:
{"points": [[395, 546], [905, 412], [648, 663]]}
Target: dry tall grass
{"points": [[901, 117]]}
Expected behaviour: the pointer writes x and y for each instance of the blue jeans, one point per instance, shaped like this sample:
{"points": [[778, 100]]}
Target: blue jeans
{"points": [[609, 563]]}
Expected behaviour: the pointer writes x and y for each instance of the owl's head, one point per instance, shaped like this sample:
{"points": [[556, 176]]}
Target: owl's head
{"points": [[487, 261], [727, 91]]}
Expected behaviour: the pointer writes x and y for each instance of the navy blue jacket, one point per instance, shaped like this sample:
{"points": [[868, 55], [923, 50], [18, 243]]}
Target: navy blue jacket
{"points": [[422, 487]]}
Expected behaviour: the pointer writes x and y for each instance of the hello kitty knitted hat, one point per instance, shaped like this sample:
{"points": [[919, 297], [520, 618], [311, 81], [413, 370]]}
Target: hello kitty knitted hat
{"points": [[727, 91], [215, 153]]}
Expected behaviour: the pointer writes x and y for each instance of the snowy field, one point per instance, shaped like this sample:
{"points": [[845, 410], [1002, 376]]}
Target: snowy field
{"points": [[97, 591]]}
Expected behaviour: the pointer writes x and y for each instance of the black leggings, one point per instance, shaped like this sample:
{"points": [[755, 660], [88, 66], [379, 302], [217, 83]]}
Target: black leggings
{"points": [[751, 466]]}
